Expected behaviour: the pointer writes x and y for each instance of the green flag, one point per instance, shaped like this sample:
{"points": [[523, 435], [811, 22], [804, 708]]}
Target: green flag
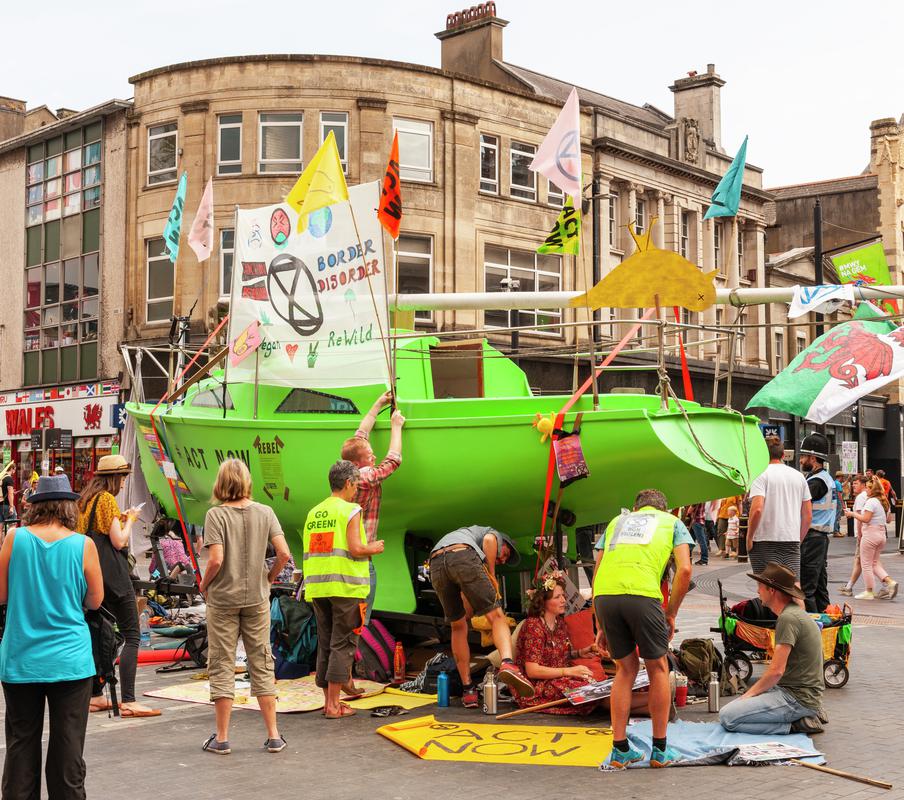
{"points": [[566, 234], [850, 360], [727, 197], [863, 267]]}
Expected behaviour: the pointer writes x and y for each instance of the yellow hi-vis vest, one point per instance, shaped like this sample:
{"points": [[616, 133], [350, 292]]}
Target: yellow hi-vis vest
{"points": [[637, 549], [329, 569]]}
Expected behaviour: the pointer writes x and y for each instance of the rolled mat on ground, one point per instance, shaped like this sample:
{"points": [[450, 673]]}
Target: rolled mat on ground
{"points": [[393, 697], [706, 743], [547, 745], [162, 656], [300, 694]]}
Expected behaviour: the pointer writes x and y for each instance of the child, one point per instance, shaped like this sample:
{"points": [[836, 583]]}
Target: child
{"points": [[732, 533]]}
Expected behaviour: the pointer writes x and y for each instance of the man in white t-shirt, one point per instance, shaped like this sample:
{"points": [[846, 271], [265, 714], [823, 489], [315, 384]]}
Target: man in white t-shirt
{"points": [[780, 513]]}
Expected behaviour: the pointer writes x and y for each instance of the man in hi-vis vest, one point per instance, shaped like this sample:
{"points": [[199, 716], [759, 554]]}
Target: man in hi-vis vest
{"points": [[632, 556], [337, 581], [814, 548]]}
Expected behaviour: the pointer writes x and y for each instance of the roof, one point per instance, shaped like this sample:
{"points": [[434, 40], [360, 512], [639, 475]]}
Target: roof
{"points": [[559, 90], [853, 183], [39, 134], [779, 260]]}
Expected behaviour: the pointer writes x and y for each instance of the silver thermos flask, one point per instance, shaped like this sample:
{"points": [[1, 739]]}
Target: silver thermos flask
{"points": [[489, 693], [713, 692]]}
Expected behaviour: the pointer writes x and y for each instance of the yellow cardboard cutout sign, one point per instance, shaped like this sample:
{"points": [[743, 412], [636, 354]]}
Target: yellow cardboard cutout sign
{"points": [[433, 740], [651, 277]]}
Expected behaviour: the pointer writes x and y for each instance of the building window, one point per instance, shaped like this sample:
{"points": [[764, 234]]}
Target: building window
{"points": [[489, 164], [227, 254], [337, 122], [800, 342], [523, 178], [521, 271], [159, 282], [741, 252], [279, 151], [60, 320], [613, 219], [640, 216], [717, 245], [162, 151], [415, 149], [555, 196], [684, 237], [229, 144], [779, 354], [415, 265], [740, 339]]}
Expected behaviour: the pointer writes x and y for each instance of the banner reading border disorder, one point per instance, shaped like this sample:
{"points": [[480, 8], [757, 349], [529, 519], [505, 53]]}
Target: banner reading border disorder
{"points": [[318, 296]]}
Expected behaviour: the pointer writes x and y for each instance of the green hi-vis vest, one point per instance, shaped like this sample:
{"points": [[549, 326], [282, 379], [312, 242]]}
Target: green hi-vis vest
{"points": [[638, 546], [329, 569]]}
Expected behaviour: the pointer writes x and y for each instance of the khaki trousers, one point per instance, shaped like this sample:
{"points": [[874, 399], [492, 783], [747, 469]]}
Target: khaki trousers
{"points": [[224, 625]]}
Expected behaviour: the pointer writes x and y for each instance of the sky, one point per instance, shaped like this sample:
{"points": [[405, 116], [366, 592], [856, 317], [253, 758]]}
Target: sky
{"points": [[804, 79]]}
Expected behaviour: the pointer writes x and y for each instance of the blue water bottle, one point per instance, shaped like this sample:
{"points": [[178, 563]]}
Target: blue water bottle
{"points": [[442, 690]]}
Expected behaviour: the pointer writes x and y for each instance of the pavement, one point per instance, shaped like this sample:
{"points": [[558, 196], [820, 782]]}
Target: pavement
{"points": [[161, 759]]}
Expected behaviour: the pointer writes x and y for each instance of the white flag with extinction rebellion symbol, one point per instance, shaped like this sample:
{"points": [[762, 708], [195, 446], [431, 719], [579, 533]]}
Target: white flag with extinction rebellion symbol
{"points": [[310, 294]]}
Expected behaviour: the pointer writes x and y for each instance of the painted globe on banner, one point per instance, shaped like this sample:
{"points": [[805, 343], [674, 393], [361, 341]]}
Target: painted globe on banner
{"points": [[293, 294], [320, 222]]}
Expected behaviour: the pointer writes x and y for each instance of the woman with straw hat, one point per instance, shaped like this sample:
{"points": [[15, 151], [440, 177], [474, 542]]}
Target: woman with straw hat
{"points": [[47, 575], [100, 519]]}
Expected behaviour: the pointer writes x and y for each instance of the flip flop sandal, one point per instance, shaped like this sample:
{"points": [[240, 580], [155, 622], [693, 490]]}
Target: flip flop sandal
{"points": [[357, 693], [93, 708], [344, 711], [135, 712]]}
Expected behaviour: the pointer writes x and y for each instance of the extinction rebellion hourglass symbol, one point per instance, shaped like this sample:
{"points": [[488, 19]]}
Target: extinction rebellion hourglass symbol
{"points": [[293, 294]]}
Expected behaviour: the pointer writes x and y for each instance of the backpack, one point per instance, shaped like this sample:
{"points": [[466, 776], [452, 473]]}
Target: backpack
{"points": [[698, 658], [293, 630], [106, 642], [375, 654]]}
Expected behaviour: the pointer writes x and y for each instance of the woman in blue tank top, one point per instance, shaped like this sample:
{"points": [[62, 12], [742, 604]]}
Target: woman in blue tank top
{"points": [[48, 575]]}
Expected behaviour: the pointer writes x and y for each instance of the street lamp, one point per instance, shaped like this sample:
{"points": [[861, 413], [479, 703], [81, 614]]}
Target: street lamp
{"points": [[513, 285]]}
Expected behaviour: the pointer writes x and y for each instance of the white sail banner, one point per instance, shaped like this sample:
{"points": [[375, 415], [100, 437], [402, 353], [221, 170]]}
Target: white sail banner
{"points": [[318, 296]]}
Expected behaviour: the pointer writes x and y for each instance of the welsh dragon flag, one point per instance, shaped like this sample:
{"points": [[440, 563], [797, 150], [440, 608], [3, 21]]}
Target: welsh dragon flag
{"points": [[851, 360]]}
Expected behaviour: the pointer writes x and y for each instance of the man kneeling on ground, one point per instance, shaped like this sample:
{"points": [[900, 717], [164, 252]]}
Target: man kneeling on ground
{"points": [[788, 697], [632, 557], [463, 573]]}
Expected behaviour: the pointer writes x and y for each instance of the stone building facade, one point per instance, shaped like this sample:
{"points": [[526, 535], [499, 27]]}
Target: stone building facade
{"points": [[474, 214]]}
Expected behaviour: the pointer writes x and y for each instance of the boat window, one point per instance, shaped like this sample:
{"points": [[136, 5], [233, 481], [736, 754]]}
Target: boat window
{"points": [[457, 370], [307, 401], [212, 398]]}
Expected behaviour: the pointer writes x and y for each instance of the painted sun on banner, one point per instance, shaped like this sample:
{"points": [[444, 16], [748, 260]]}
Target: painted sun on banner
{"points": [[310, 293]]}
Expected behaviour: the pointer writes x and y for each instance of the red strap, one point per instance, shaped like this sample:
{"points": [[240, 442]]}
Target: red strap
{"points": [[685, 373], [560, 417]]}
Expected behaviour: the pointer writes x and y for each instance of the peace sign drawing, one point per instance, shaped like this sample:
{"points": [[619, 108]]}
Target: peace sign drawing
{"points": [[293, 294]]}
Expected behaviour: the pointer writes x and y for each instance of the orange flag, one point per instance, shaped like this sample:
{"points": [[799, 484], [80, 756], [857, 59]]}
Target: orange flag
{"points": [[390, 211]]}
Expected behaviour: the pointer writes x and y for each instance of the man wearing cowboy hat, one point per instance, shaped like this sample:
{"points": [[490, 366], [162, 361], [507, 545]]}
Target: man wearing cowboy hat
{"points": [[788, 696]]}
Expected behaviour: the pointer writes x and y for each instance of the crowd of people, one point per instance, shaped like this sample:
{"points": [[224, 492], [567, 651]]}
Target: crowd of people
{"points": [[71, 553]]}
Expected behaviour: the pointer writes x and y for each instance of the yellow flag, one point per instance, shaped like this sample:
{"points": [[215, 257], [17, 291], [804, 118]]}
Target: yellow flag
{"points": [[321, 184]]}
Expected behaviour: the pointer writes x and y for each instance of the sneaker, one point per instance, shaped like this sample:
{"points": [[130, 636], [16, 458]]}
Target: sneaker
{"points": [[846, 591], [867, 595], [892, 588], [512, 677], [619, 760], [807, 725], [701, 563], [822, 716], [469, 698], [213, 746], [275, 745], [883, 593], [664, 758]]}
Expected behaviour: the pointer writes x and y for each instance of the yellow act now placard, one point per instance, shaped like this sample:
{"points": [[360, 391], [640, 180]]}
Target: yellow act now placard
{"points": [[548, 745]]}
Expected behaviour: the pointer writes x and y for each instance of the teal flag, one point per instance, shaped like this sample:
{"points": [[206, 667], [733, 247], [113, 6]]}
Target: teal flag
{"points": [[173, 228], [727, 197]]}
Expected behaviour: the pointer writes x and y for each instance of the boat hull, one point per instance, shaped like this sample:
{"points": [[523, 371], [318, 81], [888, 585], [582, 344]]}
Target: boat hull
{"points": [[472, 461]]}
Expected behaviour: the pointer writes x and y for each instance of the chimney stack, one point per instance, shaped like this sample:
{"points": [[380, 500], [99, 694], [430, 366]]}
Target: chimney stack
{"points": [[697, 97], [472, 44], [12, 118]]}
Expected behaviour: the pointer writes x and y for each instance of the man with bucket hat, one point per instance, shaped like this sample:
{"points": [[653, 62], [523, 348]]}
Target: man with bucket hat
{"points": [[814, 548], [463, 573], [788, 696]]}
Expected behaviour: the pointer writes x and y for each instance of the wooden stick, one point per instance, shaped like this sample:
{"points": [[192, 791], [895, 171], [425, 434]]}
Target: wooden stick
{"points": [[841, 774], [551, 704]]}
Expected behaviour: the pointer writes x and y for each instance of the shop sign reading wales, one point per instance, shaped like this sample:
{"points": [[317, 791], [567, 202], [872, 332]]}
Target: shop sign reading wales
{"points": [[865, 266]]}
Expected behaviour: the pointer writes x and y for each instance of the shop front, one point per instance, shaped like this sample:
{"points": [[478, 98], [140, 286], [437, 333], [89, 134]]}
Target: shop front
{"points": [[87, 411]]}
